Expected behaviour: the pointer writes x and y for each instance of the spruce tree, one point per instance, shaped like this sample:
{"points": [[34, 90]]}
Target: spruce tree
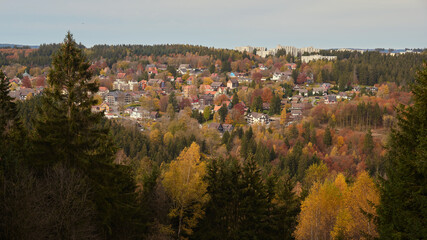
{"points": [[223, 111], [402, 211], [12, 135], [68, 133], [327, 138], [275, 105], [173, 102], [254, 203], [7, 107], [235, 100]]}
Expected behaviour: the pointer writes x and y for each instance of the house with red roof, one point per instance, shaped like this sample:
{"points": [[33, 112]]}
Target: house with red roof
{"points": [[121, 75]]}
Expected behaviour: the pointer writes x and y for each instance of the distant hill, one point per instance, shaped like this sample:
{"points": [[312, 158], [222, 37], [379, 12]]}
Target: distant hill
{"points": [[6, 45]]}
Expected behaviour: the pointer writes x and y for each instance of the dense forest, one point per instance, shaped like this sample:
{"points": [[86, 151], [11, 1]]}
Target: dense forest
{"points": [[69, 173]]}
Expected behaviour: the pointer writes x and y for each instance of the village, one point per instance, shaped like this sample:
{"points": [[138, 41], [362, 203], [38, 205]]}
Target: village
{"points": [[201, 94]]}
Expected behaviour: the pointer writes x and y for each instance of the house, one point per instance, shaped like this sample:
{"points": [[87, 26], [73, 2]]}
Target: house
{"points": [[255, 117], [326, 86], [156, 83], [101, 107], [151, 68], [216, 126], [265, 106], [183, 68], [189, 90], [22, 93], [162, 66], [191, 80], [120, 85], [297, 106], [303, 92], [291, 66], [127, 98], [296, 113], [112, 97], [331, 99], [318, 90], [154, 115], [121, 76], [139, 113], [206, 100], [133, 85], [205, 88], [244, 80], [118, 97], [342, 95], [216, 85], [227, 127], [221, 127], [102, 91], [233, 83], [143, 84]]}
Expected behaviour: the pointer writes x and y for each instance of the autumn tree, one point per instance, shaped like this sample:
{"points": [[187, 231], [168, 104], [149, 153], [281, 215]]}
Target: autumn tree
{"points": [[183, 181], [320, 209], [356, 218], [207, 113], [283, 116]]}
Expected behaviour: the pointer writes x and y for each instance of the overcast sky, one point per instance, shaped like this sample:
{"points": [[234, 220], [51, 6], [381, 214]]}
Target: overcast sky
{"points": [[220, 23]]}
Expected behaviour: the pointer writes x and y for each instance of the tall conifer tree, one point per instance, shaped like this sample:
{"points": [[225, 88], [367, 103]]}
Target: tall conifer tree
{"points": [[68, 133], [402, 211]]}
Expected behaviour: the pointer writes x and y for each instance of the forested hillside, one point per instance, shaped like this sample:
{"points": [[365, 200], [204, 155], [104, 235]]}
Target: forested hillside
{"points": [[318, 168]]}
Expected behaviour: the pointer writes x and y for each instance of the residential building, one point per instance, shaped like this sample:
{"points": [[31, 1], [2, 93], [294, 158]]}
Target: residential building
{"points": [[255, 117], [233, 83], [306, 59]]}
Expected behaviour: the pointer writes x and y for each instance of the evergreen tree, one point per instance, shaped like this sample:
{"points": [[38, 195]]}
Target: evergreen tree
{"points": [[257, 104], [222, 210], [7, 107], [402, 211], [254, 203], [327, 137], [13, 138], [68, 133], [173, 102], [288, 209], [275, 105], [226, 66], [368, 143], [223, 111], [235, 99], [212, 68]]}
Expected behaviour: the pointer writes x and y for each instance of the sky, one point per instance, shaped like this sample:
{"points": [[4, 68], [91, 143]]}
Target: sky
{"points": [[218, 23]]}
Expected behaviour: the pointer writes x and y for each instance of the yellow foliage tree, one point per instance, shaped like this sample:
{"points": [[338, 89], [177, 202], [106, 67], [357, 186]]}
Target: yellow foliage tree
{"points": [[207, 81], [352, 221], [167, 138], [319, 211], [316, 173], [183, 182], [340, 142], [283, 117], [155, 136]]}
